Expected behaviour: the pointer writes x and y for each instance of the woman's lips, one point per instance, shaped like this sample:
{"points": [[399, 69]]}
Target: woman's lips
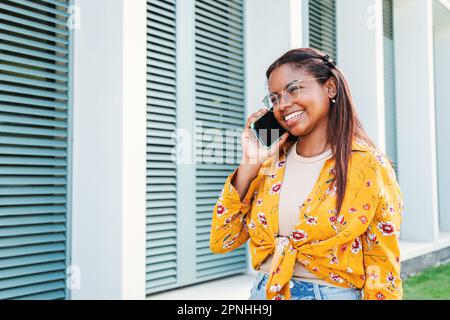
{"points": [[294, 118]]}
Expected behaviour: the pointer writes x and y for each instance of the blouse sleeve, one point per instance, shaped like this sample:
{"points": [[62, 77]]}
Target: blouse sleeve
{"points": [[381, 245], [228, 229]]}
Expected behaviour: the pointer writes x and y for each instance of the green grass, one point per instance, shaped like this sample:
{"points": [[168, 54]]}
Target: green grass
{"points": [[431, 284]]}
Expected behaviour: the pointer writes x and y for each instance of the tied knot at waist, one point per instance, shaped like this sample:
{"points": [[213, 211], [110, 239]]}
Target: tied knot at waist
{"points": [[282, 269], [283, 264], [281, 243]]}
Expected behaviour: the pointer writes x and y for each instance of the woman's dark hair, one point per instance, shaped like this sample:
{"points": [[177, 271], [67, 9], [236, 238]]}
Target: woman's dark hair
{"points": [[344, 124]]}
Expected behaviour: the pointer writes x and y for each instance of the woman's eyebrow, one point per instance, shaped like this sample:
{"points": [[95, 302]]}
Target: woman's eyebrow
{"points": [[289, 83]]}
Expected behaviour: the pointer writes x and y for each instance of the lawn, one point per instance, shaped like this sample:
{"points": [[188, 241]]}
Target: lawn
{"points": [[431, 284]]}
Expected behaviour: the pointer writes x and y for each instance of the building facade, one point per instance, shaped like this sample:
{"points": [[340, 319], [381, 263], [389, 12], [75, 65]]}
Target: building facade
{"points": [[120, 121]]}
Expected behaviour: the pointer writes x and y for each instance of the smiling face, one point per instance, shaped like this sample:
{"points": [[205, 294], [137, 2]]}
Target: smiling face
{"points": [[309, 111]]}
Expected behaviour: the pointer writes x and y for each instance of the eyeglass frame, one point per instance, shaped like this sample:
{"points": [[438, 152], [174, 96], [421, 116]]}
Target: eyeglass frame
{"points": [[284, 94]]}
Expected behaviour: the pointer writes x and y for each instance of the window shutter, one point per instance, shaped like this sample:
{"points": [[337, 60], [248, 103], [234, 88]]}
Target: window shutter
{"points": [[220, 103], [161, 123], [389, 82], [35, 83], [322, 26]]}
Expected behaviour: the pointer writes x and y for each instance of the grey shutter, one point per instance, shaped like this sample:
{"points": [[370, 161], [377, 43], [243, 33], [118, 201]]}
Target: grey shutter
{"points": [[161, 123], [322, 26], [220, 103], [389, 82], [35, 46]]}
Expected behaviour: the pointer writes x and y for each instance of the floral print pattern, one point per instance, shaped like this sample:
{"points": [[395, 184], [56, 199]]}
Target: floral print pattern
{"points": [[387, 228], [262, 219], [221, 210], [356, 245], [311, 220], [354, 248], [275, 188], [299, 235]]}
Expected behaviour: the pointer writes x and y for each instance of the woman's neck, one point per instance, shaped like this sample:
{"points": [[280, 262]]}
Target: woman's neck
{"points": [[313, 144]]}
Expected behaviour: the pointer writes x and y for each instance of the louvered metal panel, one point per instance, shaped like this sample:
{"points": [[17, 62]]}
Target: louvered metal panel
{"points": [[35, 46], [220, 102], [322, 26], [161, 123], [389, 82]]}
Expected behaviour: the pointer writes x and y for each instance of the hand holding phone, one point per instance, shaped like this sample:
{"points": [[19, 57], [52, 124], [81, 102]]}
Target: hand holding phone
{"points": [[257, 145], [267, 129]]}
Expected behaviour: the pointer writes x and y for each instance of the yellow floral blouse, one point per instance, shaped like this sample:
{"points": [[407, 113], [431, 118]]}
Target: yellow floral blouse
{"points": [[356, 248]]}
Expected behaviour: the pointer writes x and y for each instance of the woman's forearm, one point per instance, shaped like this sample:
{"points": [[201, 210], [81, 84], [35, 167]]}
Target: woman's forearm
{"points": [[245, 174]]}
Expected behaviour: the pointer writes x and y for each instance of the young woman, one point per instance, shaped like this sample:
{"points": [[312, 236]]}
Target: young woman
{"points": [[322, 208]]}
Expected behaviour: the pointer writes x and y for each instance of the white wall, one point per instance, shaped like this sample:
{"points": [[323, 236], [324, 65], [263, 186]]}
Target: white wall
{"points": [[271, 29], [186, 172], [442, 80], [109, 143], [413, 34], [360, 58]]}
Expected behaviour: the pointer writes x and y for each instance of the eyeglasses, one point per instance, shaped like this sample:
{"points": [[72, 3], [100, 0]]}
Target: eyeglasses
{"points": [[291, 91]]}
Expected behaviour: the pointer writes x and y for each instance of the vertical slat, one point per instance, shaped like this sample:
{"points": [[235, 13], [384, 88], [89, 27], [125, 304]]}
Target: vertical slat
{"points": [[389, 82], [322, 26], [161, 123], [220, 103], [35, 47]]}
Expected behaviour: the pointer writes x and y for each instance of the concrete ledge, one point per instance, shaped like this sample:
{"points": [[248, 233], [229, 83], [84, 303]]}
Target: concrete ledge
{"points": [[418, 256], [420, 263], [230, 288], [410, 249]]}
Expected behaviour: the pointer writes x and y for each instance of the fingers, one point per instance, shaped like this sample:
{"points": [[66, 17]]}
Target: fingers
{"points": [[283, 138], [280, 143], [254, 116], [285, 135]]}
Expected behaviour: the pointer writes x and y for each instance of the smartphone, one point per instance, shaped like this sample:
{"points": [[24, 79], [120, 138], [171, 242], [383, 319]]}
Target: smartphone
{"points": [[267, 130]]}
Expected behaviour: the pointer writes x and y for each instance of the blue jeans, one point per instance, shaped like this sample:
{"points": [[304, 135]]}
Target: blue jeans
{"points": [[301, 290]]}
